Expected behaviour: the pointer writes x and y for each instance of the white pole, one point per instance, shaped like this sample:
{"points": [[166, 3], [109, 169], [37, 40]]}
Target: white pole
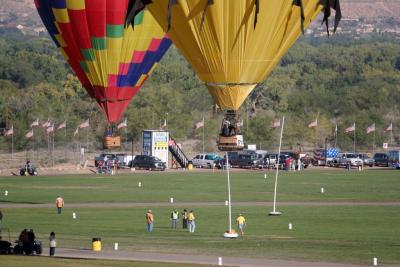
{"points": [[229, 193], [203, 134], [12, 145], [277, 165]]}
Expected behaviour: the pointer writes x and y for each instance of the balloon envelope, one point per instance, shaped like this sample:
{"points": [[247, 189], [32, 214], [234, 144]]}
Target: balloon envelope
{"points": [[111, 61], [230, 54]]}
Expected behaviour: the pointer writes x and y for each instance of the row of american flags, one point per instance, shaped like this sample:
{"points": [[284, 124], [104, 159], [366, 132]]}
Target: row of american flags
{"points": [[277, 123], [51, 127]]}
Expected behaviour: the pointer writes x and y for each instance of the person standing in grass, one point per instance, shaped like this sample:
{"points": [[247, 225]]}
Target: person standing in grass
{"points": [[241, 222], [184, 219], [191, 222], [52, 244], [59, 204], [149, 220], [174, 218]]}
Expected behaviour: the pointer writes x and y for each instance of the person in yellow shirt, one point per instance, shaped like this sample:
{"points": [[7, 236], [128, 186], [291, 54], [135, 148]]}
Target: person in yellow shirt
{"points": [[191, 222], [149, 220], [241, 222], [59, 204]]}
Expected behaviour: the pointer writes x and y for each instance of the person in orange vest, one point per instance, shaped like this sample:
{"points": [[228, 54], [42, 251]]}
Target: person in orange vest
{"points": [[149, 220], [59, 204]]}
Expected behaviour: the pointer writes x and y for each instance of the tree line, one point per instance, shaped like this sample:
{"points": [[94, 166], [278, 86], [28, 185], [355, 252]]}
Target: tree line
{"points": [[336, 80]]}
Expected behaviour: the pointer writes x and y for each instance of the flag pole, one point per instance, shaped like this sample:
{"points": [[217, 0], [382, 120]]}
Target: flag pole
{"points": [[354, 138], [66, 143], [52, 149], [336, 132], [274, 212], [12, 145], [373, 142], [203, 134]]}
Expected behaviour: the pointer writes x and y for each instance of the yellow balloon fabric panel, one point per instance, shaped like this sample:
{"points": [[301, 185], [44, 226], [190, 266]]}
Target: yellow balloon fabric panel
{"points": [[229, 49]]}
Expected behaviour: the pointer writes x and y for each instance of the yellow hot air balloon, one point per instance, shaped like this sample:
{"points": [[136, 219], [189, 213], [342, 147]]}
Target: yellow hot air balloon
{"points": [[233, 45]]}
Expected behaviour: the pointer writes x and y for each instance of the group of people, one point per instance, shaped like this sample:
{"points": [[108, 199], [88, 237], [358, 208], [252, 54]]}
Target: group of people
{"points": [[106, 167], [26, 242], [290, 164], [188, 220]]}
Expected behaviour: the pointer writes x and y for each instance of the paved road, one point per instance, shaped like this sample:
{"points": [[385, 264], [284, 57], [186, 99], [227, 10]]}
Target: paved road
{"points": [[196, 259], [196, 204]]}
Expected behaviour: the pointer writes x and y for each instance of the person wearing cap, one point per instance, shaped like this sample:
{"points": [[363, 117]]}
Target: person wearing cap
{"points": [[59, 204], [241, 222], [149, 220]]}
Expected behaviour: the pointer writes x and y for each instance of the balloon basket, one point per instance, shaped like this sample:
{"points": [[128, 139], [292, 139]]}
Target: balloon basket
{"points": [[231, 234], [230, 143], [110, 142]]}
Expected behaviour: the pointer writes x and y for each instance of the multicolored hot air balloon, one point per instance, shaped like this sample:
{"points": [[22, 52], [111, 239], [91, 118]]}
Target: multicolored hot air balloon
{"points": [[112, 59], [233, 45]]}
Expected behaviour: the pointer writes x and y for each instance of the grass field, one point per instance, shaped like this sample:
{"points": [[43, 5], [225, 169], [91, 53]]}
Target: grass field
{"points": [[336, 233], [16, 261]]}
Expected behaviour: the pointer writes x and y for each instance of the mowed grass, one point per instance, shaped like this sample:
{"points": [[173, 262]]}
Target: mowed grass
{"points": [[16, 261], [320, 233], [339, 185]]}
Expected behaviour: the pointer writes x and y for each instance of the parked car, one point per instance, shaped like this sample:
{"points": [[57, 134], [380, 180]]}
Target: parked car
{"points": [[350, 159], [394, 158], [206, 160], [105, 157], [148, 163], [367, 160], [381, 159], [246, 160]]}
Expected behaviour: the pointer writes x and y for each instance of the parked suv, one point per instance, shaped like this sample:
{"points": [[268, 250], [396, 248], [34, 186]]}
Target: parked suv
{"points": [[350, 158], [148, 163], [246, 161], [367, 160], [205, 160], [381, 159]]}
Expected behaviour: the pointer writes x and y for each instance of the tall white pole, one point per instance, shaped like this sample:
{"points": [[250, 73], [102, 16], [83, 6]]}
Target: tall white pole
{"points": [[354, 137], [229, 193], [274, 212], [203, 134], [12, 146]]}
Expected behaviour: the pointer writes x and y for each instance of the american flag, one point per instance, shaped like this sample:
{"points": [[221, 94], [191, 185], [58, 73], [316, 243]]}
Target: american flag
{"points": [[371, 128], [389, 128], [276, 123], [123, 124], [47, 124], [351, 128], [313, 124], [62, 125], [84, 124], [35, 123], [199, 124], [29, 134], [50, 129], [9, 131]]}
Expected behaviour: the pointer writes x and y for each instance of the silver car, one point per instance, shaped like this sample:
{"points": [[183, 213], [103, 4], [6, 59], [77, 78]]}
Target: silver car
{"points": [[367, 160]]}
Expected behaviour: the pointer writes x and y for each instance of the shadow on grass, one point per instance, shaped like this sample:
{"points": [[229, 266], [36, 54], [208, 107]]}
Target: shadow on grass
{"points": [[20, 202]]}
